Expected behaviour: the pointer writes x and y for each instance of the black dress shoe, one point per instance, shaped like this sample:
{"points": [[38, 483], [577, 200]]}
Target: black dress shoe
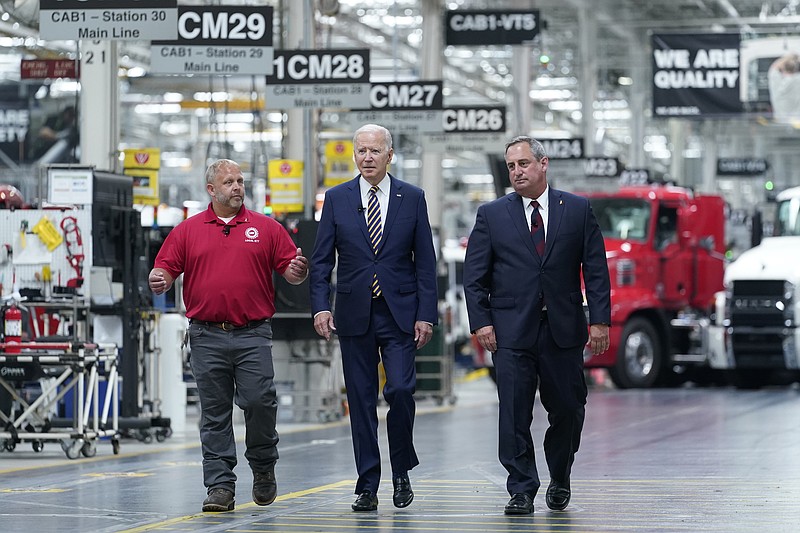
{"points": [[403, 495], [558, 495], [519, 504], [366, 501]]}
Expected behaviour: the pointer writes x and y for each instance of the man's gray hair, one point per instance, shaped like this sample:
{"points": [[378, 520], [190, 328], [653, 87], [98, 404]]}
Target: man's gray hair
{"points": [[213, 168], [374, 128], [536, 147]]}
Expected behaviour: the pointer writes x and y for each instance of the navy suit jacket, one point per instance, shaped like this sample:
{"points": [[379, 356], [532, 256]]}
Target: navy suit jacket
{"points": [[506, 283], [405, 261]]}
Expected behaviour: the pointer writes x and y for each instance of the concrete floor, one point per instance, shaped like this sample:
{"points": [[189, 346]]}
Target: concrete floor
{"points": [[688, 459]]}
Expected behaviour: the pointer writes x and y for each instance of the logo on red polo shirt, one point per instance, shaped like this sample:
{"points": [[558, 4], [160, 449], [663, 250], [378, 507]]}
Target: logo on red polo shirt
{"points": [[251, 234]]}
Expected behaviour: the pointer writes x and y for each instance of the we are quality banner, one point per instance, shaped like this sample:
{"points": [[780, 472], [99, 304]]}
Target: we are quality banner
{"points": [[696, 75]]}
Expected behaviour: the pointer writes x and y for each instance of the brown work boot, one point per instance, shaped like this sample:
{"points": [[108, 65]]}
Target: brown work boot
{"points": [[218, 500], [265, 488]]}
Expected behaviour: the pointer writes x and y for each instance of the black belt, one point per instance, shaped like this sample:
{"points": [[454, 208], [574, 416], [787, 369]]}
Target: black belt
{"points": [[230, 326]]}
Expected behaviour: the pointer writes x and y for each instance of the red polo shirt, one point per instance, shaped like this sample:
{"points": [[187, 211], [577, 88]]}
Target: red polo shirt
{"points": [[227, 278]]}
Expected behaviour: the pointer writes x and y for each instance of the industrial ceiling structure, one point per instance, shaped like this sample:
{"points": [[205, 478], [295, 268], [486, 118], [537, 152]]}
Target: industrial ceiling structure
{"points": [[588, 74]]}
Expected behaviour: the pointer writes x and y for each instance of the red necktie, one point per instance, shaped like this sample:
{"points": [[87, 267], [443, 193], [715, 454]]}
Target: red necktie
{"points": [[537, 228]]}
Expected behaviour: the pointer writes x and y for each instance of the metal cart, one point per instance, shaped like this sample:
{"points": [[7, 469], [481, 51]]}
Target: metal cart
{"points": [[434, 366], [60, 368], [307, 371], [306, 379]]}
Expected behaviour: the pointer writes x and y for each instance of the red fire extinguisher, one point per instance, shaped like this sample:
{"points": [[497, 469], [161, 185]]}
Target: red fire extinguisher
{"points": [[13, 329]]}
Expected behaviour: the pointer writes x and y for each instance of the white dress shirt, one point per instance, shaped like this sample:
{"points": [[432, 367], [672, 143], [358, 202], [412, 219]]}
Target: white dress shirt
{"points": [[383, 196]]}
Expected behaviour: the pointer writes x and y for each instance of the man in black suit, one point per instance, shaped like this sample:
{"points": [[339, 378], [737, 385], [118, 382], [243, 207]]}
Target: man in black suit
{"points": [[522, 281], [375, 227]]}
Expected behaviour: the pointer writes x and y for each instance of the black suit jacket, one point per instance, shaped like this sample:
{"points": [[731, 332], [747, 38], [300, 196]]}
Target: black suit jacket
{"points": [[405, 262], [506, 283]]}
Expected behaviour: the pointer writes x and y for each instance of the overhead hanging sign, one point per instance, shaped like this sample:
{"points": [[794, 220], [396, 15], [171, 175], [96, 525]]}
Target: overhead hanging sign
{"points": [[233, 40], [40, 69], [696, 75], [407, 107], [15, 119], [563, 148], [741, 166], [602, 167], [768, 82], [463, 27], [470, 129], [108, 20], [635, 176], [334, 79]]}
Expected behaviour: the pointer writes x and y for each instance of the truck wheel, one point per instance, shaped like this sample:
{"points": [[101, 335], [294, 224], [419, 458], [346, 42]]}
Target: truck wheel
{"points": [[640, 356]]}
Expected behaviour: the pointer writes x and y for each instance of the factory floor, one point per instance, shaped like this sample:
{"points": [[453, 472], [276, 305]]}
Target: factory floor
{"points": [[687, 459]]}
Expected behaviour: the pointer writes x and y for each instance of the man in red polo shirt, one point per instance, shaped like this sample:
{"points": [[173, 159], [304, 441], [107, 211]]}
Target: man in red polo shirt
{"points": [[227, 255]]}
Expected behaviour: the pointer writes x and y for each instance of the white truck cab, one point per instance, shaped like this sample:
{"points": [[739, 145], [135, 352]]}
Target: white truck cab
{"points": [[755, 332]]}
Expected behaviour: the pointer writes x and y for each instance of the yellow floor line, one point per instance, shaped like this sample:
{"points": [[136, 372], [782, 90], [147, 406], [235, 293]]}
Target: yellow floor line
{"points": [[474, 375], [421, 411], [283, 497]]}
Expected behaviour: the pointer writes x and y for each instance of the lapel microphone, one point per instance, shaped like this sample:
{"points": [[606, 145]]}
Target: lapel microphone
{"points": [[361, 209], [226, 230]]}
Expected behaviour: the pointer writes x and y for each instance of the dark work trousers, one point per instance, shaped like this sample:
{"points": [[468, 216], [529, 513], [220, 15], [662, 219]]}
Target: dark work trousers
{"points": [[562, 390], [360, 358], [235, 366]]}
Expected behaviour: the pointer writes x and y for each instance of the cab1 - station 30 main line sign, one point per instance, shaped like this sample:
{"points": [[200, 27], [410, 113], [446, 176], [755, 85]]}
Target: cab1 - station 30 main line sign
{"points": [[108, 20], [217, 40]]}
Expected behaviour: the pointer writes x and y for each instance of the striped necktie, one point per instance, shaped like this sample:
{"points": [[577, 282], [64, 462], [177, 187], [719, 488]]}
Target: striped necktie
{"points": [[375, 232], [537, 228]]}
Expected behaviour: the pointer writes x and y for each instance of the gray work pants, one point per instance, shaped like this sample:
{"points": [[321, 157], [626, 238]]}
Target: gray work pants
{"points": [[235, 366]]}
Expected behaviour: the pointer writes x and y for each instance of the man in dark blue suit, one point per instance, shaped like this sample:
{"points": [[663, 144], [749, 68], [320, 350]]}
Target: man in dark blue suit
{"points": [[377, 228], [522, 282]]}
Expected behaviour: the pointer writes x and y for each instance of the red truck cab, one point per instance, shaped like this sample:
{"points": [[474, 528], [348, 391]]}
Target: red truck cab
{"points": [[665, 248]]}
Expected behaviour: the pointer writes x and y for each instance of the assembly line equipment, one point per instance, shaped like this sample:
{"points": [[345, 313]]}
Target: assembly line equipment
{"points": [[61, 369]]}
